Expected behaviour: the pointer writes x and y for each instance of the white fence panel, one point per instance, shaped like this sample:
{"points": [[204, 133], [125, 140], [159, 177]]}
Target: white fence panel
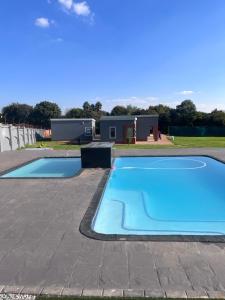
{"points": [[13, 137]]}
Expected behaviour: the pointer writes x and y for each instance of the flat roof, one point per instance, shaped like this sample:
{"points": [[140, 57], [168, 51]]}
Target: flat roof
{"points": [[106, 118], [129, 117], [147, 116], [72, 119]]}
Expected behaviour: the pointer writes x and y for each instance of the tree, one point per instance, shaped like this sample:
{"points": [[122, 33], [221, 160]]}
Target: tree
{"points": [[86, 106], [93, 110], [43, 112], [202, 119], [17, 113], [217, 118], [119, 111], [131, 109], [98, 106], [87, 110], [74, 113], [186, 113], [164, 113]]}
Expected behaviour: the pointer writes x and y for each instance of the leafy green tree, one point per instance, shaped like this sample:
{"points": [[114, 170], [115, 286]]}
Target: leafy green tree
{"points": [[139, 111], [217, 118], [98, 106], [119, 111], [43, 112], [75, 113], [186, 113], [202, 119], [131, 109], [87, 110], [17, 113], [164, 113]]}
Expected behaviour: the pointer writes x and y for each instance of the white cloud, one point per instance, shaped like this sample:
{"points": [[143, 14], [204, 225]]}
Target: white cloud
{"points": [[82, 9], [42, 22], [67, 4], [79, 8], [186, 93]]}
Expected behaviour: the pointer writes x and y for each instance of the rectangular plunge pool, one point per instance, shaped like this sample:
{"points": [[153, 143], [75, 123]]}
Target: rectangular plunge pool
{"points": [[47, 168]]}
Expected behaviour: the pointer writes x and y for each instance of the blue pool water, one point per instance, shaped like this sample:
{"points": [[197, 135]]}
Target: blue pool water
{"points": [[163, 196], [47, 167]]}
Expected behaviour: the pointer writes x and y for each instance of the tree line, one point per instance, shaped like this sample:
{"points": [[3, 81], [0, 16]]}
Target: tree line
{"points": [[185, 114]]}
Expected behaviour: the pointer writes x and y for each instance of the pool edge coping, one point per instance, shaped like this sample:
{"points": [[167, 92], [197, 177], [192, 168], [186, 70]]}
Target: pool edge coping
{"points": [[85, 227]]}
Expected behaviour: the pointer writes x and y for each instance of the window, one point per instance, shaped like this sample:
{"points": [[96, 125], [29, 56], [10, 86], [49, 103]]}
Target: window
{"points": [[112, 132], [88, 131]]}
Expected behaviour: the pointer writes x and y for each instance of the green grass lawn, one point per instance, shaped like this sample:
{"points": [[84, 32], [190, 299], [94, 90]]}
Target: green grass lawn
{"points": [[179, 142], [193, 142], [55, 145]]}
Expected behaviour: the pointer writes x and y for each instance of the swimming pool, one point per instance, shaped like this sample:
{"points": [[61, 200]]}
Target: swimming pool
{"points": [[47, 168], [163, 196]]}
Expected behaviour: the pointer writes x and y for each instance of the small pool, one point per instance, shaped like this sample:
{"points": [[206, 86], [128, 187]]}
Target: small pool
{"points": [[47, 168], [163, 196]]}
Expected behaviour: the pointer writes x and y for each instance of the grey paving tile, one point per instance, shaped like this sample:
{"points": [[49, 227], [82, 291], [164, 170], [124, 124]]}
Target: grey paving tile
{"points": [[110, 275], [16, 297], [216, 294], [154, 293], [92, 292], [112, 293], [133, 293], [13, 289], [142, 270], [32, 290], [176, 294], [72, 292], [173, 278], [200, 273], [10, 265], [201, 294], [57, 291]]}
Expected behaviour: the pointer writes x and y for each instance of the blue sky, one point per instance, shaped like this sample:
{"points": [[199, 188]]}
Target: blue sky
{"points": [[141, 52]]}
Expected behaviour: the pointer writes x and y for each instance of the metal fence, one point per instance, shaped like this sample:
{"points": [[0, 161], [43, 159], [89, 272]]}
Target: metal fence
{"points": [[196, 131], [15, 137]]}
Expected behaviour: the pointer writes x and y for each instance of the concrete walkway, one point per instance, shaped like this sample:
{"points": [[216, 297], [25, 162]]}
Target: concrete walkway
{"points": [[42, 250]]}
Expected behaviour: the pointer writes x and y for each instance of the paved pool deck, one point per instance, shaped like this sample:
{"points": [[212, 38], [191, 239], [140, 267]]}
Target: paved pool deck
{"points": [[42, 250]]}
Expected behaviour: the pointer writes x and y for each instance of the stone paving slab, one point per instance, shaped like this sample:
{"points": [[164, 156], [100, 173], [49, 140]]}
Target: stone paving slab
{"points": [[112, 293], [178, 294], [12, 289], [32, 290], [72, 292], [133, 293], [16, 297], [196, 294], [92, 293], [127, 293], [42, 250], [155, 293]]}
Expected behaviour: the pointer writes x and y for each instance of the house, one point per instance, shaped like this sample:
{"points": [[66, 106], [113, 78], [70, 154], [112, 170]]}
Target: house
{"points": [[129, 129], [76, 130]]}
